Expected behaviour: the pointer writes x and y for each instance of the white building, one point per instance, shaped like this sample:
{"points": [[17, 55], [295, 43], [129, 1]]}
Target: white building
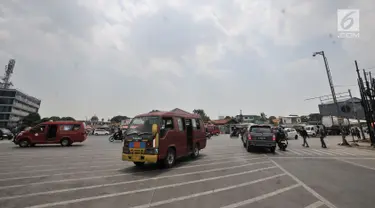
{"points": [[290, 120]]}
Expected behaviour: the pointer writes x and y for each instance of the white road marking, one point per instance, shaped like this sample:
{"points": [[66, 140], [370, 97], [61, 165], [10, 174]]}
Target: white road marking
{"points": [[129, 182], [103, 196], [118, 162], [264, 196], [116, 175], [356, 164], [344, 152], [322, 157], [315, 204], [321, 198], [322, 152], [295, 152], [303, 151], [168, 201], [78, 164]]}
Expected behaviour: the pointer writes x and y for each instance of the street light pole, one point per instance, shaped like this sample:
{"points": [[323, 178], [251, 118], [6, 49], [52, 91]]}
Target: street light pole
{"points": [[330, 81]]}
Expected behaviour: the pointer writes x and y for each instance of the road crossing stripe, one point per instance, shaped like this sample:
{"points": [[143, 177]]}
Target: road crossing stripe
{"points": [[295, 152], [103, 196], [315, 204], [134, 181], [343, 152], [168, 201], [302, 151], [322, 152], [116, 175], [264, 196]]}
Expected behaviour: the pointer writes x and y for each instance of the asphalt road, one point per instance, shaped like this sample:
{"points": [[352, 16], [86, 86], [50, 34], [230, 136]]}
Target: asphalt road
{"points": [[225, 175]]}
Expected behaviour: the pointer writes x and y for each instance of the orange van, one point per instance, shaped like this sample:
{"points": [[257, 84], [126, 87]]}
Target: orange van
{"points": [[54, 132]]}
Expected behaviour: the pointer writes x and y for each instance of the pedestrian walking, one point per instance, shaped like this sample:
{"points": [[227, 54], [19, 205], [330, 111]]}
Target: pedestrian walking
{"points": [[304, 135], [322, 134], [357, 132]]}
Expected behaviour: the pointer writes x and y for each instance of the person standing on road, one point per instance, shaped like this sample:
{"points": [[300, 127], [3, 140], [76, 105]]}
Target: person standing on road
{"points": [[357, 132], [322, 134], [304, 135]]}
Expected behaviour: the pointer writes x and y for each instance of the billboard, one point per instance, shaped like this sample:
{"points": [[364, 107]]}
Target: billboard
{"points": [[347, 109]]}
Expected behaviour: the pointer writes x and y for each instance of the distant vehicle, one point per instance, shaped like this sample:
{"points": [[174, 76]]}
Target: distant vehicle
{"points": [[213, 129], [6, 134], [163, 137], [311, 130], [291, 133], [101, 132], [259, 136], [53, 132]]}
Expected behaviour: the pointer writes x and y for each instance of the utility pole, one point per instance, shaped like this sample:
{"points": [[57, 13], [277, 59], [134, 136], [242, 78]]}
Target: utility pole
{"points": [[330, 81]]}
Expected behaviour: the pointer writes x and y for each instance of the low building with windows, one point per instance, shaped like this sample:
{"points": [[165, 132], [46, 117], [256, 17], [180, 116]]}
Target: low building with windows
{"points": [[15, 105], [225, 125], [249, 118]]}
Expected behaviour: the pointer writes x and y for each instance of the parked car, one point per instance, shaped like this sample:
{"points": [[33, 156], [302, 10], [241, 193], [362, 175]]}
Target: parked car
{"points": [[311, 130], [291, 133], [101, 132], [5, 134], [53, 132]]}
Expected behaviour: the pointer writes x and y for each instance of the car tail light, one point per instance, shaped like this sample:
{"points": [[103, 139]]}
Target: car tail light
{"points": [[249, 137], [273, 138]]}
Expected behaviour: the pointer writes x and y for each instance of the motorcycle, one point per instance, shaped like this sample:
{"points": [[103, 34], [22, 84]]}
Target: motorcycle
{"points": [[234, 134], [283, 144], [115, 137], [208, 135]]}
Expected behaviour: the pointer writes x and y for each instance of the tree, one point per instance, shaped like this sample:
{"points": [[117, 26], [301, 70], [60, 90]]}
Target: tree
{"points": [[54, 118], [118, 119], [271, 118], [154, 111], [203, 115], [227, 117], [67, 119], [304, 119], [31, 119]]}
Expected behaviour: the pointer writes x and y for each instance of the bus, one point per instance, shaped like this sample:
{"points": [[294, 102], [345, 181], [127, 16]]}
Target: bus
{"points": [[163, 137]]}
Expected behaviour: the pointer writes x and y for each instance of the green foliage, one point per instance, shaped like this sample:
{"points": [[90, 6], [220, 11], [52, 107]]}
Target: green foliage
{"points": [[203, 115], [118, 119]]}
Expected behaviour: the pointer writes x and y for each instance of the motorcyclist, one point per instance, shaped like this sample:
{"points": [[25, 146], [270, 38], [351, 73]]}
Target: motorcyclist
{"points": [[119, 133], [280, 136]]}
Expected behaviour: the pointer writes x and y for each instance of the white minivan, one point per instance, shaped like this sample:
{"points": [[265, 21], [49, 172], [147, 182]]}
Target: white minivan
{"points": [[311, 130], [291, 133]]}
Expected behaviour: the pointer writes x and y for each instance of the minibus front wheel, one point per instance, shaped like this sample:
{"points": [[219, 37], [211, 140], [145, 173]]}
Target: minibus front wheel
{"points": [[24, 143]]}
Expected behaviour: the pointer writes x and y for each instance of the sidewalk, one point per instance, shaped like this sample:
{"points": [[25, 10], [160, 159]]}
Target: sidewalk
{"points": [[361, 144]]}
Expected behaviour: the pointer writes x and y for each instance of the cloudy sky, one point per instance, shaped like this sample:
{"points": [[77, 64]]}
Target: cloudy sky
{"points": [[109, 57]]}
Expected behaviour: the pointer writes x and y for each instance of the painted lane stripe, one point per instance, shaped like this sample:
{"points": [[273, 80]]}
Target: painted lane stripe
{"points": [[356, 164], [264, 196], [128, 182], [315, 204], [321, 198], [109, 176], [115, 162], [168, 201], [295, 152], [143, 190]]}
